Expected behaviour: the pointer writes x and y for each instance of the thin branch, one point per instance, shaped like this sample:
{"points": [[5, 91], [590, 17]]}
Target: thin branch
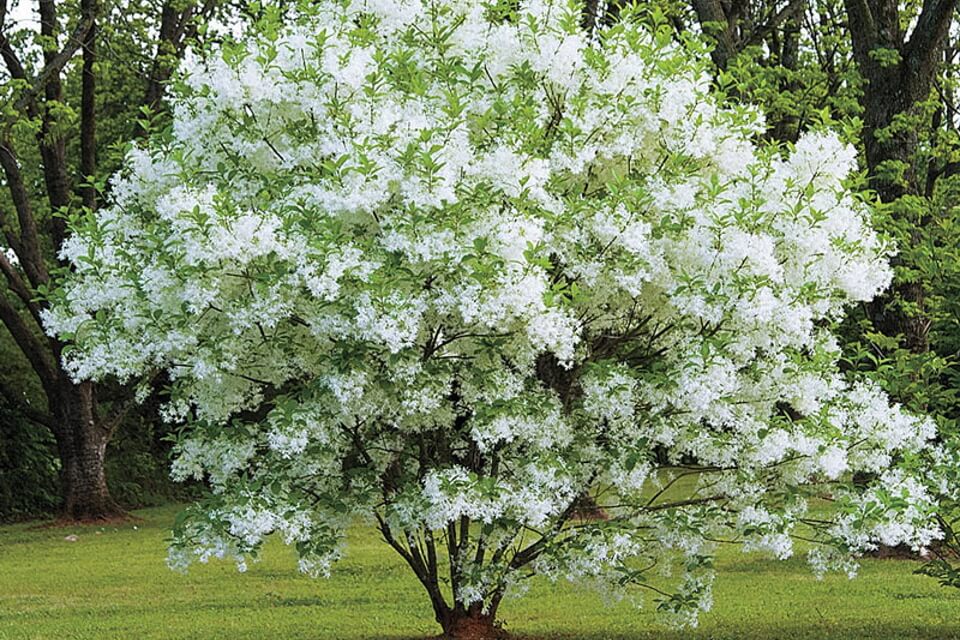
{"points": [[20, 288], [31, 347], [28, 247], [25, 408], [88, 109]]}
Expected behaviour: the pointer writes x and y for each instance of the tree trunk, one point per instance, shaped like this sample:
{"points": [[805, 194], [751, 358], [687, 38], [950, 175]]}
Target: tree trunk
{"points": [[722, 28], [472, 624], [893, 149], [82, 444], [85, 492], [899, 73], [787, 128], [586, 507], [81, 433]]}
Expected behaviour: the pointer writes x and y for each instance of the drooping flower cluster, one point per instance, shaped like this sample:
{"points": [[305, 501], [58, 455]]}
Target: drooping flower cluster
{"points": [[458, 264]]}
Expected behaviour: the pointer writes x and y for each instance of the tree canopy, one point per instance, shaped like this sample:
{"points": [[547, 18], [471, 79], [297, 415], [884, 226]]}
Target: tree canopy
{"points": [[452, 265]]}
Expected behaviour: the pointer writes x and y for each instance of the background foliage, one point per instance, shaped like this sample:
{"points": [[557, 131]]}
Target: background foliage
{"points": [[796, 59]]}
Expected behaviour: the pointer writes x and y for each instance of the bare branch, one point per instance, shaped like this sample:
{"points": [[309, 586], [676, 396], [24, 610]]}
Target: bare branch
{"points": [[29, 251], [88, 111], [29, 344], [19, 287], [25, 408]]}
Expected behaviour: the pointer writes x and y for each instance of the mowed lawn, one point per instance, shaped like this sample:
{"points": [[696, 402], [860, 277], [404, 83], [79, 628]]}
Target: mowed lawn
{"points": [[113, 583]]}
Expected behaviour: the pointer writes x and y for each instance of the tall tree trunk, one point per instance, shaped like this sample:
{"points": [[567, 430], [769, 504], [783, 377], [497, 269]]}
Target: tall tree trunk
{"points": [[899, 74], [85, 492], [721, 27], [81, 433], [82, 443], [787, 128]]}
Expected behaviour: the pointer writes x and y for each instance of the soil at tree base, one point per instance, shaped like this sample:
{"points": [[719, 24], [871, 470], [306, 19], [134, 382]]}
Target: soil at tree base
{"points": [[472, 629]]}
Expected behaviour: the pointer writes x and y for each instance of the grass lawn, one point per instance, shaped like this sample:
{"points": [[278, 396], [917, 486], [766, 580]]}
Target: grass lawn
{"points": [[112, 583]]}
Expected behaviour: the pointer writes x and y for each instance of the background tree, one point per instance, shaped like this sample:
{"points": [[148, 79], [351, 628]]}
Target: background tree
{"points": [[75, 81], [899, 103], [899, 69], [895, 106]]}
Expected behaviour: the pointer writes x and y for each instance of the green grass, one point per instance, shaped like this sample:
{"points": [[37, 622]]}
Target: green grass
{"points": [[112, 583]]}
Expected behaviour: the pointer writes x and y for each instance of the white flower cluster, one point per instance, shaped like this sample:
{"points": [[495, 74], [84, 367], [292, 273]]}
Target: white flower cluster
{"points": [[463, 262]]}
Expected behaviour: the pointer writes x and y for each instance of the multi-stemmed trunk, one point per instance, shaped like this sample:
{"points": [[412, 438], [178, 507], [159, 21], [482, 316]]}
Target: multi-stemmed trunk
{"points": [[476, 621]]}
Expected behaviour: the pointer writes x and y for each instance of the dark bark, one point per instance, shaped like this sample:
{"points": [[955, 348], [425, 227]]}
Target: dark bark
{"points": [[472, 624], [591, 17], [172, 20], [72, 411], [899, 73], [82, 443], [27, 245], [80, 432], [88, 111], [895, 86], [178, 25], [787, 128], [715, 21], [53, 150], [735, 25]]}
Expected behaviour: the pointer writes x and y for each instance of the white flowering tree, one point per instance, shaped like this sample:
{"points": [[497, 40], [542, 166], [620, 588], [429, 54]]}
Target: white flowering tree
{"points": [[449, 265]]}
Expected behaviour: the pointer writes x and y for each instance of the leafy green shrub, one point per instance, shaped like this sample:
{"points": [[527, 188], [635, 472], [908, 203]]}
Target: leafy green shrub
{"points": [[28, 467]]}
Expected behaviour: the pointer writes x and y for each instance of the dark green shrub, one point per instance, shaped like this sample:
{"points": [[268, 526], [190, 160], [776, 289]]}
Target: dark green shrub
{"points": [[28, 467]]}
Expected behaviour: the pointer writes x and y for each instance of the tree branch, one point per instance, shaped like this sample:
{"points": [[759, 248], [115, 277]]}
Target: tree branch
{"points": [[28, 247], [19, 287], [40, 417], [31, 347], [177, 27], [10, 58], [793, 8], [54, 65], [88, 111], [922, 51], [714, 21], [52, 144], [863, 28]]}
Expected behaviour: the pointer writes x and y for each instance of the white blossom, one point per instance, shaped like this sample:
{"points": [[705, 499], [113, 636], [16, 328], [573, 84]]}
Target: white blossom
{"points": [[426, 262]]}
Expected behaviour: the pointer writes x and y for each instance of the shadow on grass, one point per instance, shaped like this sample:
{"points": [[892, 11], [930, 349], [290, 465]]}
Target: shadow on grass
{"points": [[806, 632]]}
